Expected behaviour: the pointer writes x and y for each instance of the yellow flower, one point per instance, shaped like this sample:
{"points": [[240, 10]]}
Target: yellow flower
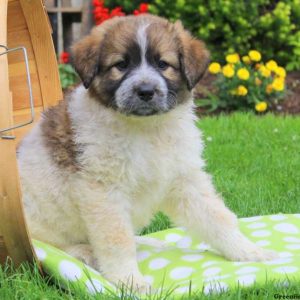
{"points": [[228, 71], [232, 58], [272, 65], [242, 91], [243, 74], [258, 81], [214, 68], [261, 106], [278, 84], [280, 71], [254, 55], [269, 89], [264, 71], [246, 59]]}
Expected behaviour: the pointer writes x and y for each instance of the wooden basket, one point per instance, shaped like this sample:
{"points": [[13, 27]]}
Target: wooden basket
{"points": [[23, 23]]}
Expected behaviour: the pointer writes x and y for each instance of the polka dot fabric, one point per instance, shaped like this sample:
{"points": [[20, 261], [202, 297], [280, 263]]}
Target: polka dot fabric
{"points": [[184, 263]]}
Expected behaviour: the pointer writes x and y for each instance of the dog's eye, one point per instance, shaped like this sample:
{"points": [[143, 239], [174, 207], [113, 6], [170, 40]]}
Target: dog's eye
{"points": [[122, 65], [163, 65]]}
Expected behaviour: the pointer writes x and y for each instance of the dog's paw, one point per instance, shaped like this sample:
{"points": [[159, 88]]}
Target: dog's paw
{"points": [[135, 283], [254, 253]]}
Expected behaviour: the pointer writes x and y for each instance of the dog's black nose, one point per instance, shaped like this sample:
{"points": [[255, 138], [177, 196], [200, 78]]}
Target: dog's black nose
{"points": [[145, 92]]}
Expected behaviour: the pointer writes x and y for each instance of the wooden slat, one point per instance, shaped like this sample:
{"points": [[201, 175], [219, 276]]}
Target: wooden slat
{"points": [[18, 84], [17, 39], [12, 224], [17, 69], [16, 20], [40, 33], [67, 10], [3, 251]]}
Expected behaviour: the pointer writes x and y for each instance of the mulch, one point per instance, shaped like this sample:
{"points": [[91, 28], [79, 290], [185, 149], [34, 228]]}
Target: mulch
{"points": [[289, 105]]}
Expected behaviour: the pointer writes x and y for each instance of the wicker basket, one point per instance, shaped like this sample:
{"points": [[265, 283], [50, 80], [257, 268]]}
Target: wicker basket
{"points": [[23, 23]]}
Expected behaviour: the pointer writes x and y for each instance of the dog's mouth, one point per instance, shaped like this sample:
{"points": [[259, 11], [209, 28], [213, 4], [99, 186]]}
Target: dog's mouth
{"points": [[144, 111]]}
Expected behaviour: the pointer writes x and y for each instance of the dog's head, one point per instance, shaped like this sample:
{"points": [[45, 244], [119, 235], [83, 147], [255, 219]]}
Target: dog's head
{"points": [[141, 65]]}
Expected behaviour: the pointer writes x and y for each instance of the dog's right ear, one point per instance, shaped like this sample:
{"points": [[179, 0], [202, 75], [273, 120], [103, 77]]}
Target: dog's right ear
{"points": [[85, 56]]}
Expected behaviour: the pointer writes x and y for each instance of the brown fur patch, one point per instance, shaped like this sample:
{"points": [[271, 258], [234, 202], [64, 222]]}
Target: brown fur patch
{"points": [[58, 136]]}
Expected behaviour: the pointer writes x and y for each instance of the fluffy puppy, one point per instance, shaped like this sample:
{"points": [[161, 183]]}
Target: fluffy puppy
{"points": [[123, 146]]}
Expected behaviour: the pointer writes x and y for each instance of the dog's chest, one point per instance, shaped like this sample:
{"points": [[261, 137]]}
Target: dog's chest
{"points": [[138, 163]]}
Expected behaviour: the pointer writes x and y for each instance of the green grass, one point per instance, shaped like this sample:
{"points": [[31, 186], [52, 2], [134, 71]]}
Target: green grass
{"points": [[255, 163]]}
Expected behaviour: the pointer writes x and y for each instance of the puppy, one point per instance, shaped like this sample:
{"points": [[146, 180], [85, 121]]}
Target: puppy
{"points": [[123, 146]]}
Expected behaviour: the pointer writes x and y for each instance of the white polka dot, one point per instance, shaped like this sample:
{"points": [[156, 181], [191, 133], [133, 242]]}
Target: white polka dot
{"points": [[173, 237], [246, 270], [256, 225], [251, 219], [211, 271], [158, 263], [278, 217], [209, 263], [192, 257], [40, 253], [291, 239], [69, 270], [246, 280], [286, 228], [261, 233], [241, 263], [217, 287], [263, 243], [203, 247], [142, 255], [293, 246], [181, 272], [184, 242], [279, 261], [286, 269], [285, 254], [149, 279], [94, 286]]}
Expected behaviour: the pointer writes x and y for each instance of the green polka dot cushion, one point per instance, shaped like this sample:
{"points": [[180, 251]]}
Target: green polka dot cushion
{"points": [[189, 263]]}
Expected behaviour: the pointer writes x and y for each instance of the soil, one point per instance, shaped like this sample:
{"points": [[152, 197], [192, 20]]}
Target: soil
{"points": [[289, 105]]}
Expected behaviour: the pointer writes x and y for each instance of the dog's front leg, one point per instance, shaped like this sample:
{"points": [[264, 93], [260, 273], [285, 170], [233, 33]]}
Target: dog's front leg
{"points": [[111, 236], [194, 204]]}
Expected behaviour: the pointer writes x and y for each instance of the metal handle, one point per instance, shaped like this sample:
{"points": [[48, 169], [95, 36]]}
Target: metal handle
{"points": [[23, 49]]}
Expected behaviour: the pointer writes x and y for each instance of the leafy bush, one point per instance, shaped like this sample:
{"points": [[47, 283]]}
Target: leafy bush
{"points": [[245, 84], [68, 76], [272, 27]]}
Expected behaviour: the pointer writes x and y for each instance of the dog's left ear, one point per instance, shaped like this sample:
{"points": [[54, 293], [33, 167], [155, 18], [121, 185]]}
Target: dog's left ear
{"points": [[194, 56]]}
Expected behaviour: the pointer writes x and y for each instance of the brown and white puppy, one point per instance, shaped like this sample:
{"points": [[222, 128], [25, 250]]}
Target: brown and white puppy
{"points": [[123, 146]]}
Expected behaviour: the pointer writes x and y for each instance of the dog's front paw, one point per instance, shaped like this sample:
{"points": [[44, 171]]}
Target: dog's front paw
{"points": [[130, 282], [254, 253]]}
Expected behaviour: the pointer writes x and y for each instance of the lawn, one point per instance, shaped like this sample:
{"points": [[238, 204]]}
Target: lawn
{"points": [[255, 163]]}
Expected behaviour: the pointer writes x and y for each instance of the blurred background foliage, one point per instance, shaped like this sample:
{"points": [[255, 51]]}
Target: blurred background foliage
{"points": [[271, 27]]}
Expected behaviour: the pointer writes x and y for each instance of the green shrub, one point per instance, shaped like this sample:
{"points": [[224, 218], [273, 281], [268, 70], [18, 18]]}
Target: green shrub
{"points": [[68, 76], [245, 84], [272, 27]]}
